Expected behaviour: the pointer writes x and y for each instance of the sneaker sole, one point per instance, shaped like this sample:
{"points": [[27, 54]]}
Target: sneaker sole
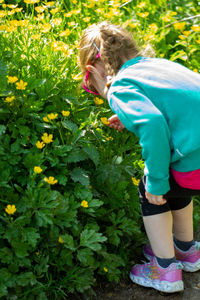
{"points": [[191, 267], [164, 286], [187, 266]]}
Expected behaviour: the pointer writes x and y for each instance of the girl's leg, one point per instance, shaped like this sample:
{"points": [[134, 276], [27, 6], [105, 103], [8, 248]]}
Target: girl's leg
{"points": [[159, 231], [183, 223]]}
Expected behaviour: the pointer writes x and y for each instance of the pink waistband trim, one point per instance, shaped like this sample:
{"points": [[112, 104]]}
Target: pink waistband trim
{"points": [[189, 180]]}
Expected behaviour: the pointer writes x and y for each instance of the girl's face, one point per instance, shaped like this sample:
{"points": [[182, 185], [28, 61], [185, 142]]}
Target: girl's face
{"points": [[98, 77]]}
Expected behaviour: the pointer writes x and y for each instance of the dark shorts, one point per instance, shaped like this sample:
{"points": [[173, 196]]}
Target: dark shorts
{"points": [[177, 198]]}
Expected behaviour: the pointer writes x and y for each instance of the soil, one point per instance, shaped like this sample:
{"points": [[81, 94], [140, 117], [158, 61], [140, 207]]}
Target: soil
{"points": [[127, 290]]}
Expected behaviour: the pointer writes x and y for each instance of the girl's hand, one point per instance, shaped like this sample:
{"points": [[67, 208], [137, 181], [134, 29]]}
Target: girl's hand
{"points": [[155, 199], [115, 123]]}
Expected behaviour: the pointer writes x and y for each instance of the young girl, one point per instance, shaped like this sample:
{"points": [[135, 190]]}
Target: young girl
{"points": [[159, 101]]}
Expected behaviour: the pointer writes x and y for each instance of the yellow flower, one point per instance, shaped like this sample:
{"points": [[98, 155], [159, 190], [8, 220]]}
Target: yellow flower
{"points": [[12, 12], [186, 32], [10, 209], [50, 180], [37, 170], [143, 14], [12, 79], [68, 15], [195, 70], [182, 37], [55, 10], [105, 121], [12, 6], [57, 21], [47, 138], [18, 9], [45, 28], [65, 113], [45, 119], [2, 13], [105, 269], [153, 27], [39, 17], [40, 145], [36, 36], [141, 5], [198, 41], [39, 9], [98, 101], [49, 4], [65, 33], [50, 117], [180, 26], [133, 25], [9, 99], [31, 1], [173, 13], [71, 23], [90, 5], [135, 181], [60, 240], [195, 28], [37, 253], [109, 138], [167, 18], [84, 203], [87, 19], [21, 85]]}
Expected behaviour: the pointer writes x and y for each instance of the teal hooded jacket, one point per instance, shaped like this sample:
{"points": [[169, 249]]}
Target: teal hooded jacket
{"points": [[159, 101]]}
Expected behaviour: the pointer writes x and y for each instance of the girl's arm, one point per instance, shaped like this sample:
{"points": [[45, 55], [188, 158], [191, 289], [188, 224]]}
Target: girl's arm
{"points": [[139, 115]]}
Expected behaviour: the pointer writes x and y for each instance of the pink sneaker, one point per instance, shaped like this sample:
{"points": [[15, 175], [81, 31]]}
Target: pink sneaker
{"points": [[190, 259], [168, 280]]}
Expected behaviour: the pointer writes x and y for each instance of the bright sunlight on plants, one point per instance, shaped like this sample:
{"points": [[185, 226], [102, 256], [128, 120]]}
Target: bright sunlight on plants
{"points": [[69, 207]]}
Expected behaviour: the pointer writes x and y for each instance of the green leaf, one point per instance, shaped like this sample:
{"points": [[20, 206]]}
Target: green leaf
{"points": [[6, 255], [32, 160], [44, 217], [4, 275], [62, 179], [82, 192], [62, 150], [76, 155], [80, 175], [179, 54], [2, 129], [92, 152], [91, 239], [24, 130], [114, 235], [26, 278], [68, 241], [95, 203], [69, 125], [34, 83], [85, 256], [20, 249], [3, 74], [30, 236], [3, 290]]}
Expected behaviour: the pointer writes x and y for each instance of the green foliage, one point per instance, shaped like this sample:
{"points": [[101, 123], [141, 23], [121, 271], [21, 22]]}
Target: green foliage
{"points": [[83, 224]]}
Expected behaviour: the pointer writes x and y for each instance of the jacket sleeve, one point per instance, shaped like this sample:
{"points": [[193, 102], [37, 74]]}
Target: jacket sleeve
{"points": [[139, 115]]}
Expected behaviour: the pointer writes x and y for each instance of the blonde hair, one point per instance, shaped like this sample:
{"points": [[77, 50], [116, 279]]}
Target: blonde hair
{"points": [[114, 43]]}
